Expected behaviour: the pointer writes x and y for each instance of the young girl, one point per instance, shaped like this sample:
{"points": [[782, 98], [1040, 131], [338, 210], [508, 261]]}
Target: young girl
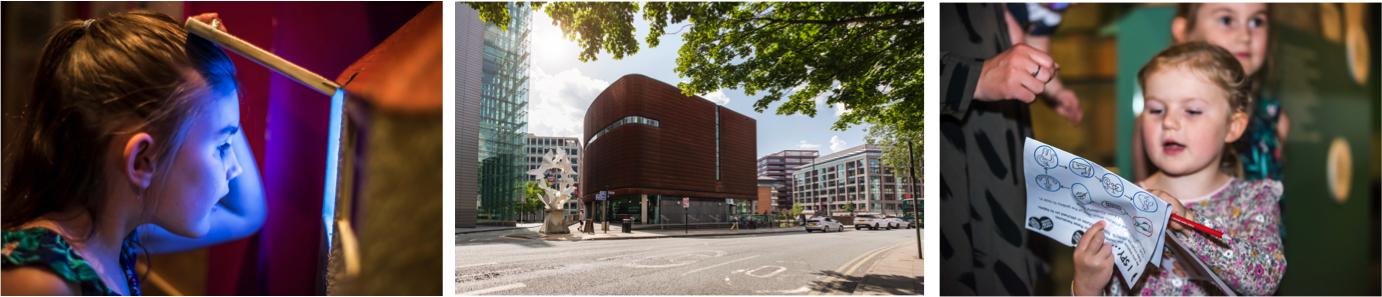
{"points": [[1196, 106], [1242, 29], [133, 126]]}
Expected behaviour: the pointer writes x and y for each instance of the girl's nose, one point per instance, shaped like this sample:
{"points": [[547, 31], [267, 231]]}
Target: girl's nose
{"points": [[1170, 122], [233, 170]]}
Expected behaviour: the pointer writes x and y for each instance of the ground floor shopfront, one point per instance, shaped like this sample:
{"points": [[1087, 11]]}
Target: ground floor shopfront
{"points": [[664, 209]]}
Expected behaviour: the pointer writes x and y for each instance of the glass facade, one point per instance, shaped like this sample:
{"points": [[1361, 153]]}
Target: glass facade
{"points": [[621, 122], [504, 117]]}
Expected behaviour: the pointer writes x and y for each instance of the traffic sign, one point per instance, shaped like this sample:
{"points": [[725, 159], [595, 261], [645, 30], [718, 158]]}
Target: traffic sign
{"points": [[686, 202], [600, 197]]}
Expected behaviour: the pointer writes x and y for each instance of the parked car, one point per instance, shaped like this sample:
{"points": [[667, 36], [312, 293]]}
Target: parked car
{"points": [[897, 223], [871, 221], [824, 225]]}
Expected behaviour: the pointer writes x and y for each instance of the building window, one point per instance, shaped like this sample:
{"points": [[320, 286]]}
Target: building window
{"points": [[621, 122]]}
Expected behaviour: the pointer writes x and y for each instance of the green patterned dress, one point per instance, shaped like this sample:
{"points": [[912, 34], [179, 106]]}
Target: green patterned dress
{"points": [[43, 247]]}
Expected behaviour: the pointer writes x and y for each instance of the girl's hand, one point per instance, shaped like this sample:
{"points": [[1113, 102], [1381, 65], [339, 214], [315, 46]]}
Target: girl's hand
{"points": [[208, 17], [1093, 262], [1178, 209]]}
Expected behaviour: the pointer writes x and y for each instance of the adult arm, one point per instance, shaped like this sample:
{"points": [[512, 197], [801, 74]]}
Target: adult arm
{"points": [[959, 77], [239, 214]]}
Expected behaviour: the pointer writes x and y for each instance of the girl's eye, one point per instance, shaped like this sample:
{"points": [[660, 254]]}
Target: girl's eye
{"points": [[223, 148], [1154, 111], [1225, 21], [1193, 112], [1256, 22]]}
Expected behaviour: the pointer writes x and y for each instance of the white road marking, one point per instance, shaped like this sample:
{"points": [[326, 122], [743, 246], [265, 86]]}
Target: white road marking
{"points": [[798, 291], [477, 264], [716, 265], [680, 260], [780, 269], [495, 289]]}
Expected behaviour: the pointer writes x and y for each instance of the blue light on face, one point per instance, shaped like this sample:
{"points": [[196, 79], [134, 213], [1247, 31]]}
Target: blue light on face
{"points": [[333, 153]]}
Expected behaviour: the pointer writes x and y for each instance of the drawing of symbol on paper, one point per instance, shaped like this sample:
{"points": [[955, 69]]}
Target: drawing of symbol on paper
{"points": [[1046, 157], [1114, 207], [1143, 226], [1043, 224], [1075, 238], [1081, 167], [1048, 182], [1081, 193], [1113, 184], [1145, 202]]}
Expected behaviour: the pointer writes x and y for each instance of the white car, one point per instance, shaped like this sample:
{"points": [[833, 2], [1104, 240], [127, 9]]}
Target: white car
{"points": [[871, 221], [896, 223], [824, 225]]}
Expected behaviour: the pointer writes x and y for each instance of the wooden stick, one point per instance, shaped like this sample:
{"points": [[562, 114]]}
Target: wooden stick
{"points": [[258, 55]]}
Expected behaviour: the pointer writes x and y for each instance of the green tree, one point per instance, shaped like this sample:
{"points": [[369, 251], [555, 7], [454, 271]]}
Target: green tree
{"points": [[848, 207], [865, 56], [894, 141], [797, 208], [532, 202]]}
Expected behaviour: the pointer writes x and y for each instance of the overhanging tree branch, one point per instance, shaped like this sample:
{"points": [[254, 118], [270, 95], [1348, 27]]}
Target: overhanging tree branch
{"points": [[899, 16]]}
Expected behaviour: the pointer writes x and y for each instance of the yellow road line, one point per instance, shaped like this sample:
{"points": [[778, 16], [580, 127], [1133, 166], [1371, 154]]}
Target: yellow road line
{"points": [[858, 261]]}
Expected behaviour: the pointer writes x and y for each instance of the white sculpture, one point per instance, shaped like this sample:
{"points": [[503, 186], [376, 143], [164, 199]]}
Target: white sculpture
{"points": [[555, 199]]}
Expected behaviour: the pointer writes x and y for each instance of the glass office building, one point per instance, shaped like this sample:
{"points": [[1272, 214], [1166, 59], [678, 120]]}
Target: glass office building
{"points": [[503, 117]]}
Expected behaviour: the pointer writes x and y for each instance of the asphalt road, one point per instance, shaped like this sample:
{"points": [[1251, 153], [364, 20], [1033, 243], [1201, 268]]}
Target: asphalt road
{"points": [[510, 263]]}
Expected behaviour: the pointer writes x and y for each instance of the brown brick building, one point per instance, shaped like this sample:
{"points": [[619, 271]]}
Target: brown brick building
{"points": [[651, 145]]}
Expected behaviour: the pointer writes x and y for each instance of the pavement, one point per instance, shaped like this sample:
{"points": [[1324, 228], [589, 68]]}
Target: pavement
{"points": [[616, 232], [900, 272], [494, 228]]}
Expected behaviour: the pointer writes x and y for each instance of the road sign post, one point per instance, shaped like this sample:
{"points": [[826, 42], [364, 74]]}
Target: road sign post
{"points": [[916, 215], [685, 211]]}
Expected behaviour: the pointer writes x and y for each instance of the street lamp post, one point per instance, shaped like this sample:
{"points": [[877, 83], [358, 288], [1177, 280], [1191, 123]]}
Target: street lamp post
{"points": [[915, 198]]}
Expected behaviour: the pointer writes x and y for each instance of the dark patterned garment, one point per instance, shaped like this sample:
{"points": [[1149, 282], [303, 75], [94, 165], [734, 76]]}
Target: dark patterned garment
{"points": [[1260, 150], [983, 197], [43, 247]]}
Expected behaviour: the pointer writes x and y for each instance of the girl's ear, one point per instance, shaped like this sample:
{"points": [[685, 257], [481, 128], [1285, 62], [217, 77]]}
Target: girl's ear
{"points": [[1237, 123], [139, 159], [1178, 29]]}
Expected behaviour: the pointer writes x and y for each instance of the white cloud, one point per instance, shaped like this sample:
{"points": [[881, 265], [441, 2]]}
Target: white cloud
{"points": [[836, 144], [717, 96], [840, 109], [807, 145], [557, 103]]}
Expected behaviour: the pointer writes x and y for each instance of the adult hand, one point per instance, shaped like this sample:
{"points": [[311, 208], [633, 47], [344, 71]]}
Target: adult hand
{"points": [[208, 17], [1178, 209], [1019, 73], [1065, 103], [1093, 262]]}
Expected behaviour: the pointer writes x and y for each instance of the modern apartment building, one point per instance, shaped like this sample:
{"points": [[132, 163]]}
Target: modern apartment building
{"points": [[781, 166], [853, 175], [491, 116]]}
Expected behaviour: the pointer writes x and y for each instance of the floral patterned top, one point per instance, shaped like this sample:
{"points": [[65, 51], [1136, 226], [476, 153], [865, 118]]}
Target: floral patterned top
{"points": [[1251, 265], [40, 246]]}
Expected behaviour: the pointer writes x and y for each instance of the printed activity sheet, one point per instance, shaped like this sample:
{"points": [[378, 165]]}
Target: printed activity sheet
{"points": [[1067, 194]]}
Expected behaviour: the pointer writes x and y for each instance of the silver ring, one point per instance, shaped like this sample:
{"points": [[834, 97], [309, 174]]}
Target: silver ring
{"points": [[1034, 74]]}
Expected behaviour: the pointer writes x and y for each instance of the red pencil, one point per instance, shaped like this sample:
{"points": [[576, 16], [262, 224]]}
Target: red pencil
{"points": [[1211, 231]]}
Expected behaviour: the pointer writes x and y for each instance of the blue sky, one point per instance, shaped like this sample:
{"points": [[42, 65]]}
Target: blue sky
{"points": [[562, 87]]}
